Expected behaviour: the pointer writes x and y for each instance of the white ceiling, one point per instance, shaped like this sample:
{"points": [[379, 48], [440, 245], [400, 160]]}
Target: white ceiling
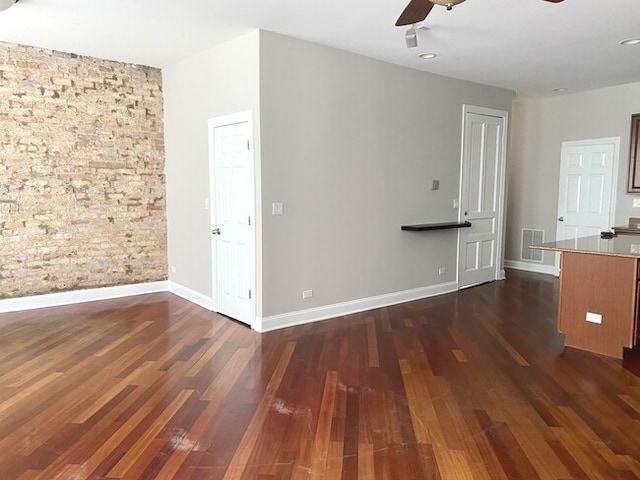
{"points": [[529, 46]]}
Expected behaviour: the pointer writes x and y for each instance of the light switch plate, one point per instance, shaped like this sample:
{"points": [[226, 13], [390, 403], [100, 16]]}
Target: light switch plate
{"points": [[636, 203], [277, 208]]}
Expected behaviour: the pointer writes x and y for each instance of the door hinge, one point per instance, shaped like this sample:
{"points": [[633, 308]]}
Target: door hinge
{"points": [[249, 220], [247, 144], [249, 293]]}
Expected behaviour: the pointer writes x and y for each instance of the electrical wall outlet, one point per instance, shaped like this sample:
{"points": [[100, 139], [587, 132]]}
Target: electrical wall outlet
{"points": [[442, 271], [173, 269], [307, 293], [594, 317]]}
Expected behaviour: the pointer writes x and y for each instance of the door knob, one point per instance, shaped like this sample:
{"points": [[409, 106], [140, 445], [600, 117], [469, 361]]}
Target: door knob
{"points": [[216, 231], [561, 219]]}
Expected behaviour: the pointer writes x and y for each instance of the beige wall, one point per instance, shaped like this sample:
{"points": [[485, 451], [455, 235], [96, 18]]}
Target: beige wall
{"points": [[538, 128], [82, 197], [350, 146], [216, 82]]}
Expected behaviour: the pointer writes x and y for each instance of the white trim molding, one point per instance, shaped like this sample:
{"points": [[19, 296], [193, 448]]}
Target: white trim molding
{"points": [[79, 296], [191, 295], [530, 267], [300, 317]]}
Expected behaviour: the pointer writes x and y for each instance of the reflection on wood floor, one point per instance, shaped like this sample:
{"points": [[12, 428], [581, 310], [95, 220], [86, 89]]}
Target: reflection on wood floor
{"points": [[470, 385]]}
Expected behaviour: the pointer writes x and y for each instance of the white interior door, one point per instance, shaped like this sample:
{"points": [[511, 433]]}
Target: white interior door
{"points": [[233, 239], [482, 195], [586, 190]]}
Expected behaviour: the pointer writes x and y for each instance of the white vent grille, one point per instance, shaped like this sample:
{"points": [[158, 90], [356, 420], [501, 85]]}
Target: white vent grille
{"points": [[531, 237]]}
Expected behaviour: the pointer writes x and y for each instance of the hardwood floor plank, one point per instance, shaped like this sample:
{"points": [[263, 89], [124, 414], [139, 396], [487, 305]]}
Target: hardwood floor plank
{"points": [[429, 463], [111, 385], [350, 452], [334, 461], [469, 385], [23, 396], [322, 435], [510, 454], [224, 381], [123, 469], [366, 468], [207, 356], [372, 343], [127, 337], [634, 403], [584, 455], [573, 467], [102, 426], [243, 452]]}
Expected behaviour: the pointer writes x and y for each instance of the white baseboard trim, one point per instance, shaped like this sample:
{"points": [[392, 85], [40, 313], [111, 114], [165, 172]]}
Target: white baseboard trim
{"points": [[191, 295], [530, 267], [79, 296], [300, 317]]}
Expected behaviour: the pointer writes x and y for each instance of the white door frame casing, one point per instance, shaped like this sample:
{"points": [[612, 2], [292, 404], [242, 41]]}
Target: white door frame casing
{"points": [[213, 123], [499, 272]]}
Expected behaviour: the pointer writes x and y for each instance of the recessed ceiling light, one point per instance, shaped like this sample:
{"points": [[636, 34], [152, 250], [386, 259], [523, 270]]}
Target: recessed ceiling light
{"points": [[631, 41], [427, 56]]}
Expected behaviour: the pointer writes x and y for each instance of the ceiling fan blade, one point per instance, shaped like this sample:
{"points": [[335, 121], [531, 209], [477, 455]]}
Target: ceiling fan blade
{"points": [[554, 1], [415, 12]]}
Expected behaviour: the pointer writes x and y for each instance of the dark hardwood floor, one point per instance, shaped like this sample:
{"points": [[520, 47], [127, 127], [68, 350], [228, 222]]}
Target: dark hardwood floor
{"points": [[470, 385]]}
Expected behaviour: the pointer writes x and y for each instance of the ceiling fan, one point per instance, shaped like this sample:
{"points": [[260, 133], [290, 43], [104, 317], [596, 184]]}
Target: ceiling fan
{"points": [[417, 10], [4, 4]]}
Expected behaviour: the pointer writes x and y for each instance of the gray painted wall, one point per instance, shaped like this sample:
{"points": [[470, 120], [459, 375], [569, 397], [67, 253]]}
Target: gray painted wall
{"points": [[538, 128], [350, 146], [216, 82]]}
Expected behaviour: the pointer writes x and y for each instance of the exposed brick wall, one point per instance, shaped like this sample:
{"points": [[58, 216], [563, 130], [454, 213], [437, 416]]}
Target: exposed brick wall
{"points": [[82, 187]]}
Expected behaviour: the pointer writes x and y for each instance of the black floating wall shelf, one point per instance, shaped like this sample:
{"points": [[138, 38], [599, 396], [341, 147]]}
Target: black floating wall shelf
{"points": [[424, 227]]}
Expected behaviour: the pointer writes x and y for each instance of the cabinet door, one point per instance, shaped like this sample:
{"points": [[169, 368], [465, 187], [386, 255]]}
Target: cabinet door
{"points": [[599, 285]]}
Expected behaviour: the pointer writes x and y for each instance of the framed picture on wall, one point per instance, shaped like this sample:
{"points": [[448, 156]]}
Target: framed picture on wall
{"points": [[634, 155]]}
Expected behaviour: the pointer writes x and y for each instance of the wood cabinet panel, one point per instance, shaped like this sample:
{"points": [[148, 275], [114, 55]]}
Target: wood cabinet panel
{"points": [[604, 285]]}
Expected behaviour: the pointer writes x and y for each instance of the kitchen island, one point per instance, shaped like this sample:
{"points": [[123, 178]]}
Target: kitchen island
{"points": [[598, 298]]}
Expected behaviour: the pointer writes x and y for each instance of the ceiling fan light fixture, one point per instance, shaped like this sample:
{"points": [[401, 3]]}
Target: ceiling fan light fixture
{"points": [[630, 41], [447, 3], [5, 4]]}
